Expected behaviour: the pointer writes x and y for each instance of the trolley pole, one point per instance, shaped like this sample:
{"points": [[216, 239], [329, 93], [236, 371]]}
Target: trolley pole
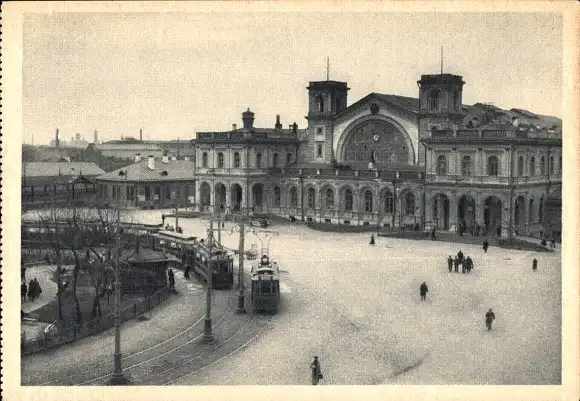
{"points": [[207, 332], [241, 309], [219, 226]]}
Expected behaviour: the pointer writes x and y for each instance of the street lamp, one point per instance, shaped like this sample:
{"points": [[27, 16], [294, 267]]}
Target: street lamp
{"points": [[118, 378], [207, 329]]}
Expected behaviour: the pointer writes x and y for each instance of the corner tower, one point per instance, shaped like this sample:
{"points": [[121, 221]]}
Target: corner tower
{"points": [[325, 99]]}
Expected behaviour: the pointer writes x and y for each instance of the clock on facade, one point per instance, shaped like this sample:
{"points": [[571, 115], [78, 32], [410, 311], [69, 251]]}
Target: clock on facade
{"points": [[376, 137]]}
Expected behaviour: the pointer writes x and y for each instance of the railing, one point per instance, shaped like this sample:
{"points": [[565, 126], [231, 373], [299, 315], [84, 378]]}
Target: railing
{"points": [[237, 135], [362, 174], [51, 339]]}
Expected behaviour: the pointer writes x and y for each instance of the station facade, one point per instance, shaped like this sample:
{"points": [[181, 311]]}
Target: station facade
{"points": [[391, 161]]}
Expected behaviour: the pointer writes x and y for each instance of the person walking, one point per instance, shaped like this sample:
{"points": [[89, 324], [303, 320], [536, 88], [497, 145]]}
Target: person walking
{"points": [[171, 277], [423, 291], [372, 243], [468, 264], [535, 264], [456, 264], [23, 291], [31, 292], [489, 318], [553, 242], [485, 245], [460, 255], [450, 263], [316, 371]]}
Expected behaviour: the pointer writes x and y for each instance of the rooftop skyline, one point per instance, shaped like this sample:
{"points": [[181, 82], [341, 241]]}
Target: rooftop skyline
{"points": [[176, 74]]}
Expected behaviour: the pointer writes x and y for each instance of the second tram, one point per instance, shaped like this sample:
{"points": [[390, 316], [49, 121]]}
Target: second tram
{"points": [[265, 285]]}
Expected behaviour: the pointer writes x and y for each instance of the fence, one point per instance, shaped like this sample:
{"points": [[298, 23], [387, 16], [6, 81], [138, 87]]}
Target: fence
{"points": [[51, 339]]}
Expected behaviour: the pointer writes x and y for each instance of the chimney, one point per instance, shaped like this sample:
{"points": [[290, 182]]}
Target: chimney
{"points": [[295, 128], [137, 157], [95, 137], [151, 162], [248, 119], [234, 127], [278, 126], [140, 134], [165, 158], [56, 140]]}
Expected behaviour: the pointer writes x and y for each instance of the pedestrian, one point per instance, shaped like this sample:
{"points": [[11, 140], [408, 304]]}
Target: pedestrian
{"points": [[186, 272], [456, 264], [423, 291], [23, 291], [31, 292], [553, 242], [372, 243], [316, 371], [450, 263], [489, 318], [535, 264], [460, 255], [485, 245], [37, 288], [469, 264]]}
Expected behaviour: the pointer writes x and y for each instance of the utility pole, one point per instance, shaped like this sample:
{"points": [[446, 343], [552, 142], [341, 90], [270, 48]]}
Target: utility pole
{"points": [[511, 184], [241, 309], [207, 331]]}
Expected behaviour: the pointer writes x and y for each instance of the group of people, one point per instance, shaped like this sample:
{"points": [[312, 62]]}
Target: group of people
{"points": [[33, 290], [466, 263]]}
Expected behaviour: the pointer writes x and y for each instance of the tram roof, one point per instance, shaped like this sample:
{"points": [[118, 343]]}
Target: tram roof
{"points": [[174, 236]]}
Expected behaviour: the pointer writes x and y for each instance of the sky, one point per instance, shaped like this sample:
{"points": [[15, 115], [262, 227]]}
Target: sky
{"points": [[177, 74]]}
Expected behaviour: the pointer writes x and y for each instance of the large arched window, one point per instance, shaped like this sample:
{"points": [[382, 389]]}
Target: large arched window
{"points": [[348, 200], [532, 166], [311, 198], [441, 165], [204, 159], [466, 165], [389, 203], [541, 210], [368, 195], [520, 166], [277, 196], [542, 165], [551, 165], [409, 204], [236, 160], [275, 160], [220, 160], [434, 100], [293, 197], [258, 160], [493, 166], [329, 199], [288, 158]]}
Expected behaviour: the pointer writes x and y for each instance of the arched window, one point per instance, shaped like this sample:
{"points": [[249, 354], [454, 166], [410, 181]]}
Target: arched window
{"points": [[441, 165], [220, 160], [288, 158], [532, 166], [329, 198], [258, 160], [466, 165], [348, 200], [542, 165], [204, 159], [493, 166], [319, 103], [551, 165], [531, 212], [541, 210], [277, 196], [293, 197], [236, 160], [434, 100], [275, 160], [368, 201], [311, 198], [521, 166], [409, 204], [389, 203]]}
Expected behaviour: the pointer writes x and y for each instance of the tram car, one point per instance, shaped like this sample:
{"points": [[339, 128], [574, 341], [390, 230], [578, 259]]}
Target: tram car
{"points": [[194, 255], [260, 222], [265, 285]]}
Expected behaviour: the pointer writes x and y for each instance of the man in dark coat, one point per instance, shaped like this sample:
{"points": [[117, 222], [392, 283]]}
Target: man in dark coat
{"points": [[535, 264], [468, 264], [450, 263], [456, 264], [485, 245], [186, 272], [489, 318], [460, 255], [316, 371], [31, 291], [372, 240], [171, 277], [423, 291], [23, 291]]}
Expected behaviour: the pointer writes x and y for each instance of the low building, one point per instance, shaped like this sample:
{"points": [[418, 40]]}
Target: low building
{"points": [[150, 182]]}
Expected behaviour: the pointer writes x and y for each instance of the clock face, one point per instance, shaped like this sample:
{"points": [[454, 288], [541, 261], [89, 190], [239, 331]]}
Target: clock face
{"points": [[376, 137]]}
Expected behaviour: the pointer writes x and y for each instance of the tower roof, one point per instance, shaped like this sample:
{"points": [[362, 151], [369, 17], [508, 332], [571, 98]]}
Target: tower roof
{"points": [[327, 84]]}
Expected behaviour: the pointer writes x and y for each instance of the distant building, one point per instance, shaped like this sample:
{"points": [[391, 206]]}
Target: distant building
{"points": [[75, 142]]}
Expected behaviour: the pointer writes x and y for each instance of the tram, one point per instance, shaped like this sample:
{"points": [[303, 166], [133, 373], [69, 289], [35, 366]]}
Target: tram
{"points": [[194, 255], [265, 285]]}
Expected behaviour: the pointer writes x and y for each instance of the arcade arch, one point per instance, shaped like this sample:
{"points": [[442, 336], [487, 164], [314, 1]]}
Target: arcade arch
{"points": [[441, 211], [492, 215], [236, 196]]}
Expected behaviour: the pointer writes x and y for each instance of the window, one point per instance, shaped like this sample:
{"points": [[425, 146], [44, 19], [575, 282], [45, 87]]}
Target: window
{"points": [[531, 212], [275, 160], [389, 203], [319, 131], [456, 104], [368, 201], [220, 160], [551, 165], [521, 166], [236, 160], [258, 160], [277, 196], [466, 165], [311, 198], [441, 165], [532, 166], [409, 204], [167, 192], [319, 103], [493, 166], [204, 159], [288, 158], [318, 150], [541, 210], [542, 165], [348, 200], [337, 104], [433, 100], [293, 197], [329, 199]]}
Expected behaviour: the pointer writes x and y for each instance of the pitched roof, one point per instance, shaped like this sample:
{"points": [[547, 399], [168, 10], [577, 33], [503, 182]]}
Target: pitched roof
{"points": [[408, 103], [66, 169], [128, 150], [177, 170]]}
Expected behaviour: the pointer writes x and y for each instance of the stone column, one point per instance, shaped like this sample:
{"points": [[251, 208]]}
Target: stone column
{"points": [[197, 205], [453, 201], [429, 211]]}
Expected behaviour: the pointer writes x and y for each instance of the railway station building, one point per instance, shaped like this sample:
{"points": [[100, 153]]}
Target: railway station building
{"points": [[391, 161]]}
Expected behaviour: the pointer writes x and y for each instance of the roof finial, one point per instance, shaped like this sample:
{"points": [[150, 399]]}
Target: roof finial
{"points": [[441, 60]]}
